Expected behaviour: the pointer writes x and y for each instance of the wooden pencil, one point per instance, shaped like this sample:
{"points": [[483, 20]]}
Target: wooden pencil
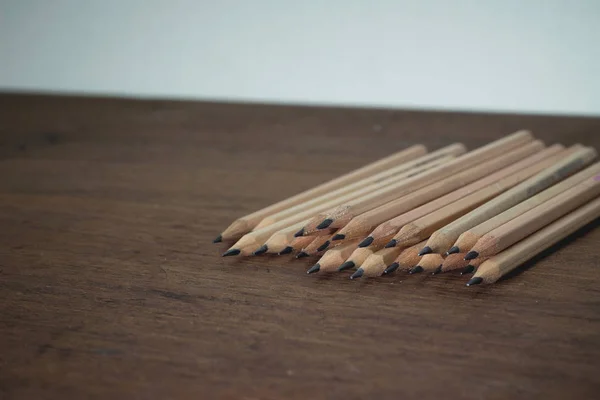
{"points": [[468, 238], [377, 262], [388, 229], [312, 249], [248, 222], [504, 262], [297, 244], [407, 259], [421, 228], [339, 216], [372, 182], [362, 224], [536, 218], [284, 242], [428, 263], [441, 240], [456, 261], [357, 258], [333, 258]]}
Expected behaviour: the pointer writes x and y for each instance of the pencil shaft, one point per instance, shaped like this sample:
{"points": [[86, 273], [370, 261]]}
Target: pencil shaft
{"points": [[332, 259], [313, 248], [409, 257], [376, 263]]}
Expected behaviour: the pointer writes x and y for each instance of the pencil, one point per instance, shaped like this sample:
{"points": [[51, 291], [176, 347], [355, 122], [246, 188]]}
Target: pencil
{"points": [[357, 188], [315, 247], [297, 244], [376, 263], [468, 238], [342, 214], [407, 259], [577, 158], [428, 263], [536, 218], [456, 261], [284, 242], [421, 228], [248, 222], [386, 230], [357, 258], [502, 263], [333, 258]]}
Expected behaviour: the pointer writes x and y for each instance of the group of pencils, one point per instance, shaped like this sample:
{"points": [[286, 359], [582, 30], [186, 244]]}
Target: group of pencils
{"points": [[485, 211]]}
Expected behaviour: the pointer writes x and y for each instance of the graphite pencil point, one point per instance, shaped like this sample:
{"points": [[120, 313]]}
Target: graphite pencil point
{"points": [[287, 250], [338, 236], [467, 270], [325, 224], [346, 265], [302, 255], [391, 268], [299, 233], [218, 239], [261, 250], [391, 243], [475, 281], [357, 274], [324, 246], [425, 250], [231, 252], [437, 270], [314, 268], [416, 270], [453, 250], [471, 255], [367, 242]]}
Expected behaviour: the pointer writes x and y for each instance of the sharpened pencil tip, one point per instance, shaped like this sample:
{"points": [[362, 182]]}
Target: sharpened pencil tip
{"points": [[299, 233], [261, 250], [357, 274], [302, 254], [324, 246], [338, 236], [287, 250], [391, 243], [416, 270], [471, 255], [425, 250], [314, 268], [231, 252], [325, 223], [475, 281], [346, 265], [391, 268], [437, 270], [367, 242], [218, 239], [453, 250], [468, 269]]}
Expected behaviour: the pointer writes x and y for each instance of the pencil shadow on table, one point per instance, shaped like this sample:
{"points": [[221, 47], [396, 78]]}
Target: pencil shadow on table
{"points": [[550, 250]]}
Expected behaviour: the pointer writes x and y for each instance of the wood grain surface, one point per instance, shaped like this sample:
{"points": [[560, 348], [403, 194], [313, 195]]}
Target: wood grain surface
{"points": [[110, 286]]}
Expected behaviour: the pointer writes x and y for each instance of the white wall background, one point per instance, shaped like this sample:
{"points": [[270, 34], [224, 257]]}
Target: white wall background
{"points": [[499, 55]]}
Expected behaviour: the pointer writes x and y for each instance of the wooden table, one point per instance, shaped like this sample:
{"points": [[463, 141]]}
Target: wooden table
{"points": [[110, 286]]}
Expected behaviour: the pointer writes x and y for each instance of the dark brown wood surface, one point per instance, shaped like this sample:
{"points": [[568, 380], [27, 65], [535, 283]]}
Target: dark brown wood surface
{"points": [[110, 286]]}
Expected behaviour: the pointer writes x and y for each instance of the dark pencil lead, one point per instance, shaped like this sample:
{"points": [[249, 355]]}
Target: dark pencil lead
{"points": [[338, 236], [453, 250], [287, 250], [346, 265], [475, 281], [218, 239], [299, 233], [314, 268], [391, 243], [367, 242], [468, 269], [302, 254], [324, 246], [357, 274], [437, 270], [231, 252], [261, 250], [416, 270], [391, 268], [325, 224], [471, 255], [425, 250]]}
